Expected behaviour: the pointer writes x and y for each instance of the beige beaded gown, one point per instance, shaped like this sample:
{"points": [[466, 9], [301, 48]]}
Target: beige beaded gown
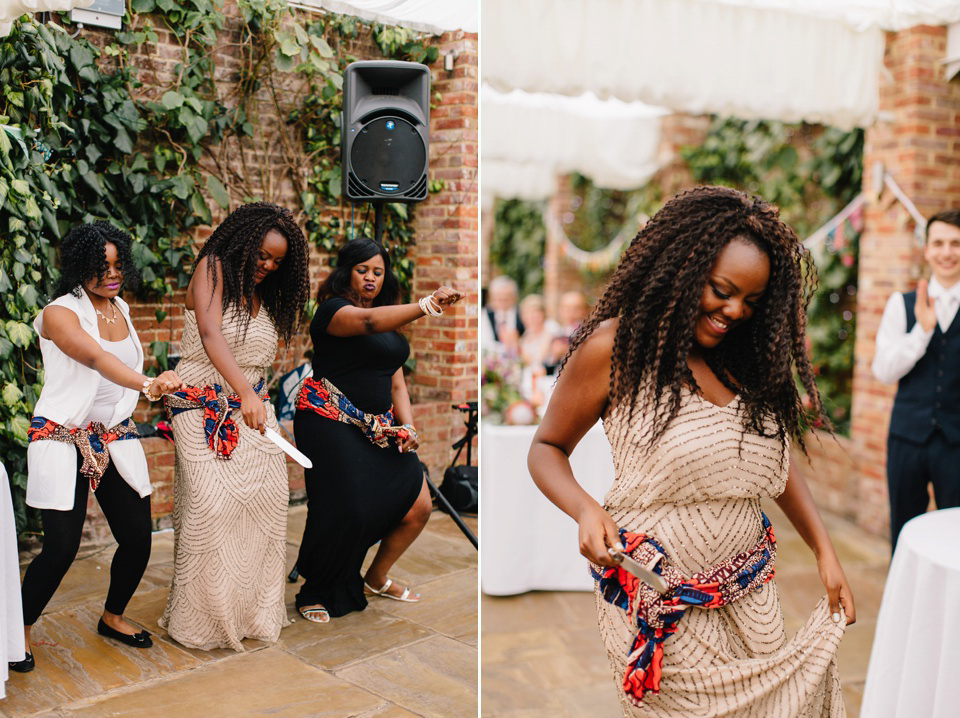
{"points": [[229, 516], [698, 493]]}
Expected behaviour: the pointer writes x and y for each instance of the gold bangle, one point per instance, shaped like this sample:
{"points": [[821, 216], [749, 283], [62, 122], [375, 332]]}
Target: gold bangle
{"points": [[146, 390]]}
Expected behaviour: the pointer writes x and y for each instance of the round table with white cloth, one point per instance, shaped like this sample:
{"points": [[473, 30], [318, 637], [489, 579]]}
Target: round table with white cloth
{"points": [[528, 543], [11, 609], [916, 648]]}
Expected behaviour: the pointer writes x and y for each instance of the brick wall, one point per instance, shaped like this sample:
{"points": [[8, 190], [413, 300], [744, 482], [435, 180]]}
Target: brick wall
{"points": [[920, 146], [445, 252]]}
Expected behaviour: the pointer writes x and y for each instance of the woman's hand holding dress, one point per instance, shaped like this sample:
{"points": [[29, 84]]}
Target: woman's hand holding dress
{"points": [[838, 590]]}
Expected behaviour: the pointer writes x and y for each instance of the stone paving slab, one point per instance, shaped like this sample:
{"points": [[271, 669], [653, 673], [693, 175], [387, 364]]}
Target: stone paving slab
{"points": [[75, 663], [351, 638], [435, 678], [269, 682], [447, 606]]}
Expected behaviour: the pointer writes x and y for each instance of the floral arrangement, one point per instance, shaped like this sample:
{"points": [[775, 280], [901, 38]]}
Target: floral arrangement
{"points": [[500, 385]]}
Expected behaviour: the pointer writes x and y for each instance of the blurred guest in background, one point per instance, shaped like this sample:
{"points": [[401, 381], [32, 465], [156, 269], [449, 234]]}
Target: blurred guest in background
{"points": [[539, 331], [501, 324]]}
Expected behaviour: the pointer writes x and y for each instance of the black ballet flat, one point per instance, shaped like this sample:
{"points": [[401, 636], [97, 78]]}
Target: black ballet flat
{"points": [[137, 640], [24, 666]]}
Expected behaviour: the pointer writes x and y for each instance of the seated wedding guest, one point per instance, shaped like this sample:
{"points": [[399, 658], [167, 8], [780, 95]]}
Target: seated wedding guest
{"points": [[539, 331], [501, 326], [82, 436]]}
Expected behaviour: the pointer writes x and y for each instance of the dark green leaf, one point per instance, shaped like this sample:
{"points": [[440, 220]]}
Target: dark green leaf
{"points": [[218, 191]]}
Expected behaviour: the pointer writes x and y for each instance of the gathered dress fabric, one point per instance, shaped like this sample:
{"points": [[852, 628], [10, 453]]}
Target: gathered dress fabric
{"points": [[357, 492], [229, 515], [698, 492]]}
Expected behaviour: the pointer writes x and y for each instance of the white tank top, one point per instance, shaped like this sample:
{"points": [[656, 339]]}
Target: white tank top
{"points": [[108, 393]]}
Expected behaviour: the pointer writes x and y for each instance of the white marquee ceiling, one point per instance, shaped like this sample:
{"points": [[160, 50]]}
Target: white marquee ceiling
{"points": [[433, 16]]}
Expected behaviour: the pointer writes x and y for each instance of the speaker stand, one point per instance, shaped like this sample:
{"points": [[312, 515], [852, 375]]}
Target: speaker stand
{"points": [[378, 222]]}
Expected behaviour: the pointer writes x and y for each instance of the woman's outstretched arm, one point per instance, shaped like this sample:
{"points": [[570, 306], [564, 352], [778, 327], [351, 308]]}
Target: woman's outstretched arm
{"points": [[350, 321], [798, 505], [579, 400]]}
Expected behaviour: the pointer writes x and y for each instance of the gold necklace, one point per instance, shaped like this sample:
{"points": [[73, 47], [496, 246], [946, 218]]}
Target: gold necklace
{"points": [[112, 319]]}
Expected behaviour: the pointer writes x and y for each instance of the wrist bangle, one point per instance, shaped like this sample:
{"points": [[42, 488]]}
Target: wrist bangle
{"points": [[146, 390], [429, 305]]}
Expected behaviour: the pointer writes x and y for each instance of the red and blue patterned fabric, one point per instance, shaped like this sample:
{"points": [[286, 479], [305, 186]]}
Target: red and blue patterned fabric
{"points": [[92, 440], [657, 615], [219, 427], [323, 398]]}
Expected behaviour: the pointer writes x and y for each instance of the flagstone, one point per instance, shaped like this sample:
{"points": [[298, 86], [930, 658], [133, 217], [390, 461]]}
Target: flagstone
{"points": [[447, 606], [270, 682], [435, 678]]}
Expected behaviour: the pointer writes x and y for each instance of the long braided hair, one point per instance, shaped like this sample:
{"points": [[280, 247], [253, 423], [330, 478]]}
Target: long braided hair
{"points": [[656, 292], [83, 256], [236, 243]]}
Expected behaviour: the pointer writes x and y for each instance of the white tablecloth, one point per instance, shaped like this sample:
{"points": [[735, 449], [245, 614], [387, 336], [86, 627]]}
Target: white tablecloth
{"points": [[527, 543], [11, 610], [915, 663]]}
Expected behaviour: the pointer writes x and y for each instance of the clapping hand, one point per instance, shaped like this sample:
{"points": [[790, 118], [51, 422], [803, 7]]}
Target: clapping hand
{"points": [[926, 316]]}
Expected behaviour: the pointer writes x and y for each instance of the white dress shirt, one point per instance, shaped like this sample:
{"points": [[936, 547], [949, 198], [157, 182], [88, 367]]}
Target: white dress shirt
{"points": [[898, 350]]}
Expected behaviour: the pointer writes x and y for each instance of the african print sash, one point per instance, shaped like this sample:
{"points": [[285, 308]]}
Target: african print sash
{"points": [[218, 425], [657, 615], [323, 398], [91, 440]]}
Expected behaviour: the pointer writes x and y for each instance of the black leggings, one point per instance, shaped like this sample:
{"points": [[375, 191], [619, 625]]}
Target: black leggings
{"points": [[129, 518]]}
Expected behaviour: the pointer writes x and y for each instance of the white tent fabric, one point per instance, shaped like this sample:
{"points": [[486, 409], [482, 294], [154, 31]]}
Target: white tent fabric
{"points": [[526, 139], [693, 56], [861, 14], [432, 16], [528, 181]]}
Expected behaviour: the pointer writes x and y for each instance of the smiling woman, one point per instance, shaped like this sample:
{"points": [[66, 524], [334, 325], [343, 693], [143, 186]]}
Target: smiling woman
{"points": [[688, 360], [249, 288], [82, 437]]}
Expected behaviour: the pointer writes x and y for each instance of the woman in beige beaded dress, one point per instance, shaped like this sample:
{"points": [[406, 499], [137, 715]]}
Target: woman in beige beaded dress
{"points": [[249, 287], [688, 361]]}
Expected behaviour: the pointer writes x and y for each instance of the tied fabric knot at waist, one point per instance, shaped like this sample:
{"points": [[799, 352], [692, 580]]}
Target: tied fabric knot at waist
{"points": [[219, 427], [323, 398], [91, 440], [657, 615]]}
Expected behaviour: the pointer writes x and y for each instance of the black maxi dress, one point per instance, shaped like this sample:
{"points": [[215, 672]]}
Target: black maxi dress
{"points": [[357, 492]]}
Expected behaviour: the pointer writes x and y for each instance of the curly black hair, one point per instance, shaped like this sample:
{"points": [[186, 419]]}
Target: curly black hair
{"points": [[83, 257], [236, 243], [337, 284], [656, 292]]}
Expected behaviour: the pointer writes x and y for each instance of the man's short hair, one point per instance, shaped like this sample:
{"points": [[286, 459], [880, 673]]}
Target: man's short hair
{"points": [[504, 282], [949, 216]]}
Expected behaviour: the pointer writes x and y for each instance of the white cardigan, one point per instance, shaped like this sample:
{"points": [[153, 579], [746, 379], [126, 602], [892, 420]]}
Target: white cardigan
{"points": [[68, 394]]}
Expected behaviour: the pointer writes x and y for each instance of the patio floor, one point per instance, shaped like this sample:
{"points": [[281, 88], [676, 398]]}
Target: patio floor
{"points": [[392, 660], [542, 654]]}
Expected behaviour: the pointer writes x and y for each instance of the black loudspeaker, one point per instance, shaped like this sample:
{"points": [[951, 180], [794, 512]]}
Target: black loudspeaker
{"points": [[385, 131], [461, 487]]}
